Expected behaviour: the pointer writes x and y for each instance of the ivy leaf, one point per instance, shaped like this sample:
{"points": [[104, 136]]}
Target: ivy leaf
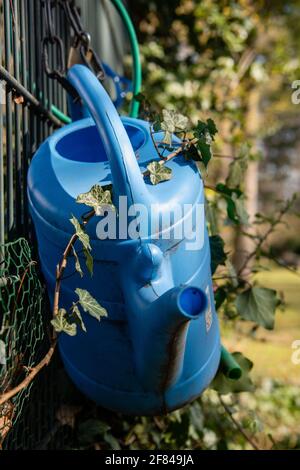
{"points": [[225, 385], [220, 296], [156, 126], [82, 235], [158, 173], [98, 197], [140, 98], [89, 261], [90, 305], [205, 132], [258, 304], [91, 430], [204, 149], [231, 210], [172, 122], [77, 317], [191, 153], [237, 169], [200, 129], [218, 255], [226, 190], [60, 323], [211, 127], [236, 210], [240, 209], [77, 262]]}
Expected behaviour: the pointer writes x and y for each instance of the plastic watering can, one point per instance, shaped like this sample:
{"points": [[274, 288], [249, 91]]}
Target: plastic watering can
{"points": [[159, 346]]}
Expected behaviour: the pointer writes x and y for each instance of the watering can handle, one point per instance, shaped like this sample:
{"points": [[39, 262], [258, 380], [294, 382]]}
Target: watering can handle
{"points": [[126, 174]]}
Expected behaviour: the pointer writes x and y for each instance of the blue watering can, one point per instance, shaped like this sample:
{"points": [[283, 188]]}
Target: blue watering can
{"points": [[159, 346]]}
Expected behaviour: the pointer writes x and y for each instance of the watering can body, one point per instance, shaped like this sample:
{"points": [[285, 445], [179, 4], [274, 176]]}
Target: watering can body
{"points": [[159, 346]]}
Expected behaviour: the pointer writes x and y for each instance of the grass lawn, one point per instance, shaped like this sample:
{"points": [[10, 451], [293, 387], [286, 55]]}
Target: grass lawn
{"points": [[271, 350]]}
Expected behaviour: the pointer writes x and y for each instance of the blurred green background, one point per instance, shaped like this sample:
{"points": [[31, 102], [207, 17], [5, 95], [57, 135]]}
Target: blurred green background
{"points": [[236, 61]]}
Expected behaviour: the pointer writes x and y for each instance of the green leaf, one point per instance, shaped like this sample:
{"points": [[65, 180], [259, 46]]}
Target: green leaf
{"points": [[98, 197], [89, 261], [191, 153], [237, 169], [231, 210], [77, 262], [258, 304], [218, 255], [91, 430], [240, 209], [204, 149], [60, 323], [236, 210], [90, 305], [82, 236], [77, 317], [140, 97], [205, 132], [211, 126], [112, 441], [220, 297], [224, 189], [200, 129], [172, 122], [225, 385], [158, 173], [212, 217], [156, 125]]}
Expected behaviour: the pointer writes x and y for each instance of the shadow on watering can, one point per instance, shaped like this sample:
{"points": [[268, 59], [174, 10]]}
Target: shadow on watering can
{"points": [[159, 347]]}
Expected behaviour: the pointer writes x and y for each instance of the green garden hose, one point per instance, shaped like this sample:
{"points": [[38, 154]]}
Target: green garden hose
{"points": [[60, 115], [137, 69], [228, 365]]}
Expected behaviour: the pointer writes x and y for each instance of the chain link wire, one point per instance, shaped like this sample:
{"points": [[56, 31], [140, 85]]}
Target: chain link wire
{"points": [[21, 326]]}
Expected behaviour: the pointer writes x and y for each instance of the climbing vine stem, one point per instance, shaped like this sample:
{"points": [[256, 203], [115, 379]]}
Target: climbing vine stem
{"points": [[34, 371]]}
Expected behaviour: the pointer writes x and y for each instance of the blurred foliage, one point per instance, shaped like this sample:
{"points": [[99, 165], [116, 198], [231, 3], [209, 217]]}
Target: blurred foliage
{"points": [[205, 58], [270, 418]]}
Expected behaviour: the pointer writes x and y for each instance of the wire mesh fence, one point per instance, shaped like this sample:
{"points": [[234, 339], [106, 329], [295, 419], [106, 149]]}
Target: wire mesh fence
{"points": [[36, 417], [27, 98], [21, 326]]}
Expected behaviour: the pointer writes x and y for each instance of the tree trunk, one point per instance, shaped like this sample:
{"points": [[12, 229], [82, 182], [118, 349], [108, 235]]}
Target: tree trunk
{"points": [[243, 244]]}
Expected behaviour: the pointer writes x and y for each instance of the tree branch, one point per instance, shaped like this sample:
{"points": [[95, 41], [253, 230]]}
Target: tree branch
{"points": [[33, 372], [238, 426], [266, 235]]}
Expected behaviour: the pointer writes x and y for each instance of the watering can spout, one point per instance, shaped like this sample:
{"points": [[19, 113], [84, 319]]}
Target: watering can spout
{"points": [[161, 336]]}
